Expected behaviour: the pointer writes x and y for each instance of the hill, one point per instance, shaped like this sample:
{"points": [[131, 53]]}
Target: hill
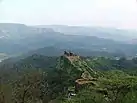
{"points": [[64, 79], [56, 52]]}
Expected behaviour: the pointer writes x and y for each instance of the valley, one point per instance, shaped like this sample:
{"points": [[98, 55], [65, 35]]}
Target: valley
{"points": [[3, 56]]}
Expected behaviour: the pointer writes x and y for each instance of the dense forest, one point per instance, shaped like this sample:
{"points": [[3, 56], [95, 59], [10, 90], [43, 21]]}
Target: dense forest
{"points": [[68, 79]]}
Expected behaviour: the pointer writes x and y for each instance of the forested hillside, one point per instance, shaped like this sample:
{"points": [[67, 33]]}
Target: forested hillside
{"points": [[69, 78]]}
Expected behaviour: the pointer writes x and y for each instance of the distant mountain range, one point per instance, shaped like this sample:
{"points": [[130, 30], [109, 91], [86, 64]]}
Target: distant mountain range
{"points": [[16, 39], [108, 33]]}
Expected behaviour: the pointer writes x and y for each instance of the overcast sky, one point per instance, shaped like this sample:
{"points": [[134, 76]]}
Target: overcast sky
{"points": [[106, 13]]}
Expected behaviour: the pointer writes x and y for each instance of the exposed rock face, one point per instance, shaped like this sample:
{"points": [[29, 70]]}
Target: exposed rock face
{"points": [[86, 75]]}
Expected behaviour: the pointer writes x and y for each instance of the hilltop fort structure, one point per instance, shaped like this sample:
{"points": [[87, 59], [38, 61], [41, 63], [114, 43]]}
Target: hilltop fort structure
{"points": [[71, 56], [69, 53]]}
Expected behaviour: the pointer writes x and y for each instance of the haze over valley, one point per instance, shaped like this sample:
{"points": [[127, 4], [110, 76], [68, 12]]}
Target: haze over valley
{"points": [[17, 39]]}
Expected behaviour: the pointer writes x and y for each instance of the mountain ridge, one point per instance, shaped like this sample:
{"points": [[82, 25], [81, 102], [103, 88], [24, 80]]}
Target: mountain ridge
{"points": [[20, 39], [102, 32]]}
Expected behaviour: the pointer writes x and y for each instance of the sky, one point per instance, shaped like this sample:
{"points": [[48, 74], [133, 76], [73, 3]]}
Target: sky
{"points": [[104, 13]]}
